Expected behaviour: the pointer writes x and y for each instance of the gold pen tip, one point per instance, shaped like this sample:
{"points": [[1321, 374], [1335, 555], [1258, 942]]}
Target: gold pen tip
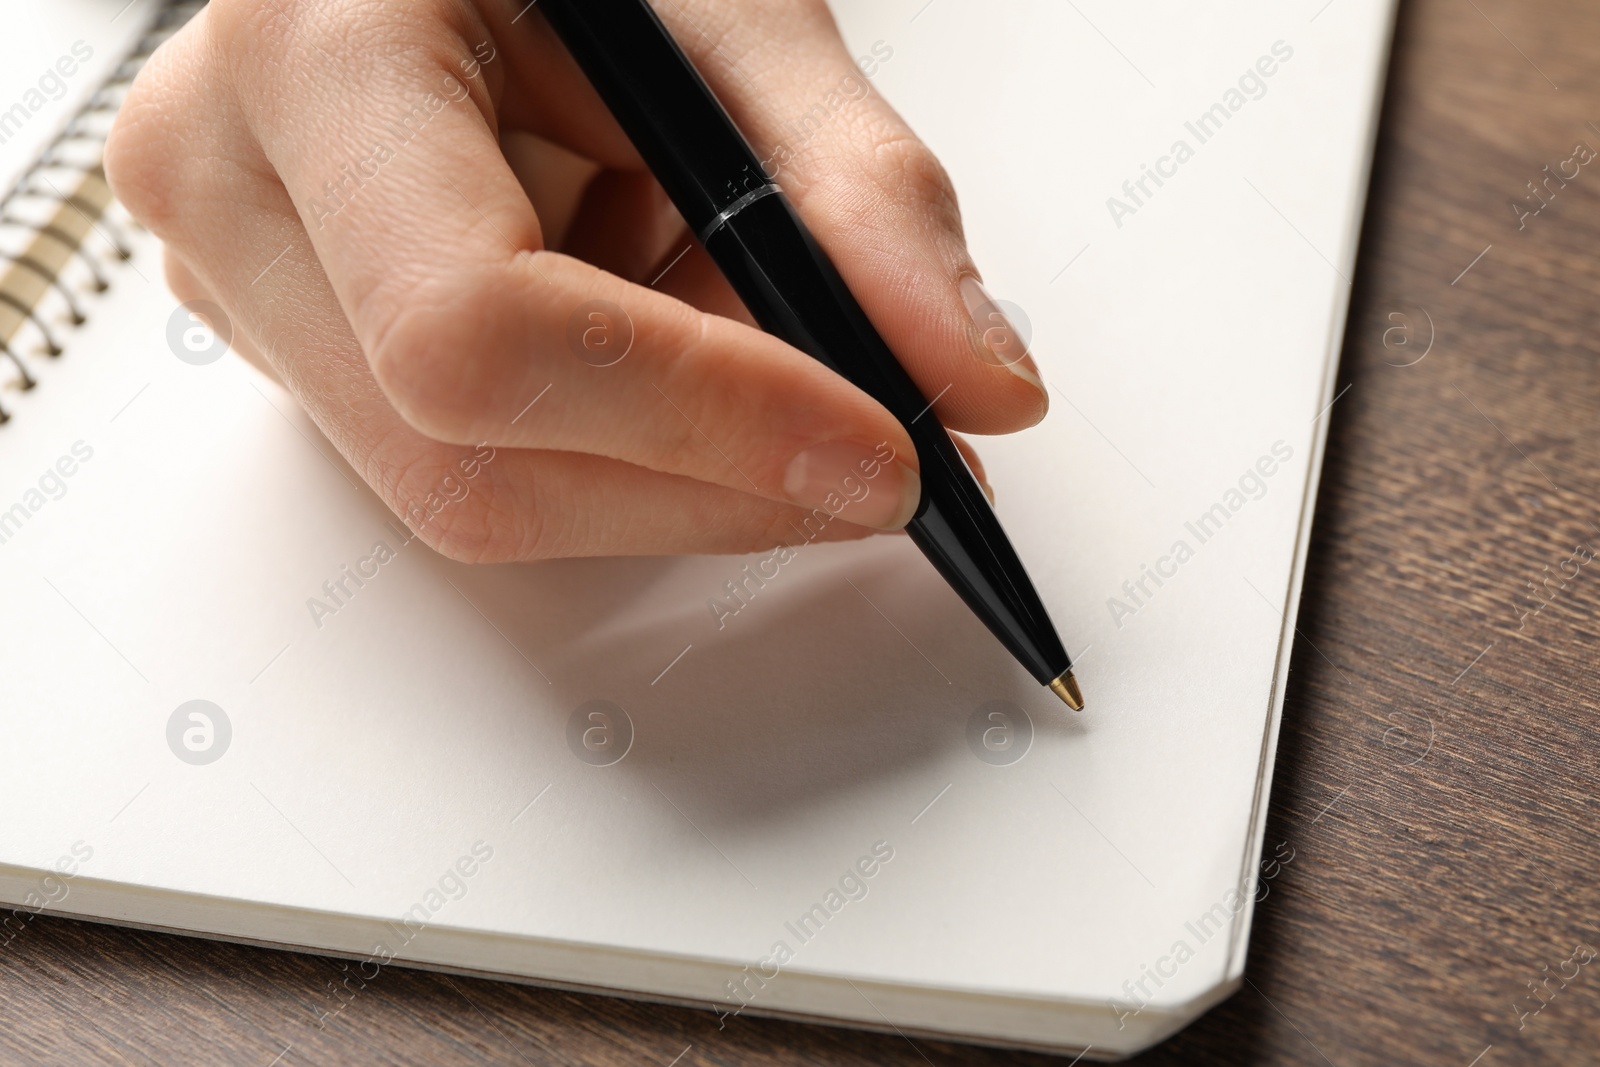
{"points": [[1066, 687]]}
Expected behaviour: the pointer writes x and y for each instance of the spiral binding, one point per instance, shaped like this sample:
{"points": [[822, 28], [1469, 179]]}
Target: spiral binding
{"points": [[81, 198]]}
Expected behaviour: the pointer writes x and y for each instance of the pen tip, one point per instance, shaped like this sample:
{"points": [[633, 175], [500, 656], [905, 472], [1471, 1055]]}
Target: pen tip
{"points": [[1066, 687]]}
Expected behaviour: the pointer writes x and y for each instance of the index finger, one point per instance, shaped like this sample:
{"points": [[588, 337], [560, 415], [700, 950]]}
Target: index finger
{"points": [[434, 252]]}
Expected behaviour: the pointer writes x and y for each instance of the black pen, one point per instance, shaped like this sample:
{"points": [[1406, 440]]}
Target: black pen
{"points": [[792, 289]]}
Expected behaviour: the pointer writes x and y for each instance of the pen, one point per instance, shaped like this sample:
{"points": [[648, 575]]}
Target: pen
{"points": [[793, 290]]}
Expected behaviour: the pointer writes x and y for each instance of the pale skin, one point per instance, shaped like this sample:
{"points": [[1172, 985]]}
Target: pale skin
{"points": [[420, 318]]}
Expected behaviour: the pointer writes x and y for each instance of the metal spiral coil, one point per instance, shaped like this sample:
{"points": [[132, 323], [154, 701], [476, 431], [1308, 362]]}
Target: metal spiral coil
{"points": [[81, 200]]}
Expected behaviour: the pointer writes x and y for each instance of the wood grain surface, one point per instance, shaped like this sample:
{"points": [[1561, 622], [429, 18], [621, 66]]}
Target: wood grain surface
{"points": [[1437, 773]]}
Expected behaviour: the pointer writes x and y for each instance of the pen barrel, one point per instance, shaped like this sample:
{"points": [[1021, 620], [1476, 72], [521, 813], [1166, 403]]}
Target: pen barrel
{"points": [[674, 120], [793, 290]]}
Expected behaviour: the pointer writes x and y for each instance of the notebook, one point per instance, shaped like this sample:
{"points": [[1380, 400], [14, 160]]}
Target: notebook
{"points": [[242, 703]]}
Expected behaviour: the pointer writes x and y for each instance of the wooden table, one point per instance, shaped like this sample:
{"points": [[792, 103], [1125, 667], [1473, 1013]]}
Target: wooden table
{"points": [[1437, 772]]}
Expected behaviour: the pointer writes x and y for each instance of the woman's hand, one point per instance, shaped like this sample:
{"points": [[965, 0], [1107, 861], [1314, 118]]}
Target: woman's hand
{"points": [[420, 217]]}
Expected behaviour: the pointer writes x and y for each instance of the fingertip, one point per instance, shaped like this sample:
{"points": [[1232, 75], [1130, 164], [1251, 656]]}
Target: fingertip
{"points": [[1004, 337]]}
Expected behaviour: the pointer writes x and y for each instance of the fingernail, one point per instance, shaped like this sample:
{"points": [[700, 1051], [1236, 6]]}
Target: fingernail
{"points": [[1004, 343], [854, 483]]}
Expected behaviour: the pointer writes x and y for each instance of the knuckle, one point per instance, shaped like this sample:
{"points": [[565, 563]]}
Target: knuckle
{"points": [[432, 373], [909, 172], [234, 22], [144, 141], [260, 39], [703, 379]]}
